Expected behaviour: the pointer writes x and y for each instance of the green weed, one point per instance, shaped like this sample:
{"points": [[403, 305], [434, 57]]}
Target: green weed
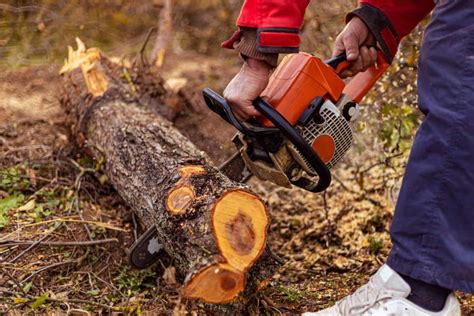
{"points": [[290, 294], [8, 203], [375, 245], [133, 282], [14, 179]]}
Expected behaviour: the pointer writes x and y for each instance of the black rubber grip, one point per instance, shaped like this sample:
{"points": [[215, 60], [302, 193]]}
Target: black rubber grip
{"points": [[335, 61]]}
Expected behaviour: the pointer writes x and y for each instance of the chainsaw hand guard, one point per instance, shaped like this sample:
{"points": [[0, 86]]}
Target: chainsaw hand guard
{"points": [[219, 105]]}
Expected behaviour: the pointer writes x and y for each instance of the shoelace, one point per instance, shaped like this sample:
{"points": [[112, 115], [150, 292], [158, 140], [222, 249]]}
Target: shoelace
{"points": [[363, 299]]}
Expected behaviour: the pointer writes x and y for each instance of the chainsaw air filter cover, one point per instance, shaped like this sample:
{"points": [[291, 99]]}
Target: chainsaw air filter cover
{"points": [[331, 138]]}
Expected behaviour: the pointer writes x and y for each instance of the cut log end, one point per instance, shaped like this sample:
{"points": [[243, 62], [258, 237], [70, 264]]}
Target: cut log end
{"points": [[180, 199], [240, 223], [217, 284]]}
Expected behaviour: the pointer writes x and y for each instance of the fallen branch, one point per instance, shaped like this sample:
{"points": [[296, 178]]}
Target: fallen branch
{"points": [[34, 244], [54, 265]]}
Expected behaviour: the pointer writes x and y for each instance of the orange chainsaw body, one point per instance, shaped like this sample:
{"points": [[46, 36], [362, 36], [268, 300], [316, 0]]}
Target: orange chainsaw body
{"points": [[302, 77], [297, 81]]}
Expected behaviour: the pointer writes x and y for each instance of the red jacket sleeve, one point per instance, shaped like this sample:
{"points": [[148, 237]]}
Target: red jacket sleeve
{"points": [[391, 20], [277, 22]]}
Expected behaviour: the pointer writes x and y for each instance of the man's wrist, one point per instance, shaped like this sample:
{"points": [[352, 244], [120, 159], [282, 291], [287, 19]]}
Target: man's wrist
{"points": [[380, 27], [257, 64], [246, 45]]}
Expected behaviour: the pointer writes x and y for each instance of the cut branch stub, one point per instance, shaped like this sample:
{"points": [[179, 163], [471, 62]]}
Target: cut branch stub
{"points": [[180, 199], [182, 196]]}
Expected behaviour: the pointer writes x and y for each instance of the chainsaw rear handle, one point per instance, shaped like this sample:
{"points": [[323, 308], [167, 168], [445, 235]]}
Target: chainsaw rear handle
{"points": [[360, 84], [294, 137]]}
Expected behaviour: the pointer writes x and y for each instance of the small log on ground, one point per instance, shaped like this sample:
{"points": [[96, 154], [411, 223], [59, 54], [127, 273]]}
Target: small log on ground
{"points": [[213, 228]]}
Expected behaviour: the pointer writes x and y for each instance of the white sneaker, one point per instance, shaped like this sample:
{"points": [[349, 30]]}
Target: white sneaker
{"points": [[385, 294]]}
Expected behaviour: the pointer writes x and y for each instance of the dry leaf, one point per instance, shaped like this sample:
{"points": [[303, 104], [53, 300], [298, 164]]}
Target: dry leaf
{"points": [[170, 275], [28, 206]]}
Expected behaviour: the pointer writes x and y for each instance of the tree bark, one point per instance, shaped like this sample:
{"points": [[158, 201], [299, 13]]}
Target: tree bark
{"points": [[214, 229]]}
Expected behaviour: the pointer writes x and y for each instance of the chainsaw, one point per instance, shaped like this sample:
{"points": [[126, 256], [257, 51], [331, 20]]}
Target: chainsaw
{"points": [[305, 124], [303, 131]]}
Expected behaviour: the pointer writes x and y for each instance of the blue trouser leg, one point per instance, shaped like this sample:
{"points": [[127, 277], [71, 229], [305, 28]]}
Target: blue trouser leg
{"points": [[433, 227]]}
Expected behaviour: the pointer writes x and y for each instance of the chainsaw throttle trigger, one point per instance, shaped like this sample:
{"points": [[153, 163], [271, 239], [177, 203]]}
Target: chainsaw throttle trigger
{"points": [[219, 105], [294, 137]]}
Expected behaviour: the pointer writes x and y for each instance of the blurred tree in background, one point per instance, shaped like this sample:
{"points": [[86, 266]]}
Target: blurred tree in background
{"points": [[37, 31]]}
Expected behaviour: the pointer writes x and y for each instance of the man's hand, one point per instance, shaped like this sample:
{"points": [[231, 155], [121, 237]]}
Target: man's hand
{"points": [[355, 39], [246, 86]]}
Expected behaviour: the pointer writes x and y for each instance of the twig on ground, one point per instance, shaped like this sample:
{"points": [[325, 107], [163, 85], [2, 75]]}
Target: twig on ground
{"points": [[108, 284], [58, 220], [12, 243], [11, 278], [35, 243], [77, 186], [71, 220], [325, 204], [54, 265]]}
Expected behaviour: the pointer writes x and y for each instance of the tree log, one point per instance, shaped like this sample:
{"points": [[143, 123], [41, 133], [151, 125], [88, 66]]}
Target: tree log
{"points": [[213, 228]]}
